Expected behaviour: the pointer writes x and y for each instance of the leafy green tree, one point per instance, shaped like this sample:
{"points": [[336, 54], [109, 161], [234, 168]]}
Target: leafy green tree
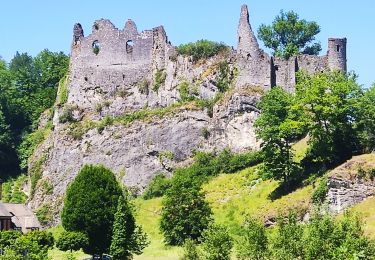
{"points": [[185, 213], [90, 205], [278, 126], [216, 243], [288, 35], [72, 241], [365, 114], [253, 241], [327, 101], [127, 238]]}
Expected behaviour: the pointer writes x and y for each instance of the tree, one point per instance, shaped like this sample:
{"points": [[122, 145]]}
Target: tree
{"points": [[216, 243], [185, 213], [327, 101], [278, 126], [288, 35], [253, 241], [72, 241], [127, 238], [90, 205], [365, 114]]}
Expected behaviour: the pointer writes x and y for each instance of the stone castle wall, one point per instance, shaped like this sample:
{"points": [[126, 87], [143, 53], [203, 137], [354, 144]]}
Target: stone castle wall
{"points": [[257, 68]]}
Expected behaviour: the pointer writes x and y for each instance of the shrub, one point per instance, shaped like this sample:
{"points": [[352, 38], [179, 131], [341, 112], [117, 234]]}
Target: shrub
{"points": [[44, 214], [205, 133], [216, 243], [143, 86], [157, 187], [201, 49], [107, 121], [253, 241], [191, 251], [320, 192], [159, 79], [67, 115], [183, 89], [72, 241], [225, 77]]}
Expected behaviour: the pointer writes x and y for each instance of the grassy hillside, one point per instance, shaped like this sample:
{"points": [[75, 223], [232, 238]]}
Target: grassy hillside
{"points": [[232, 197]]}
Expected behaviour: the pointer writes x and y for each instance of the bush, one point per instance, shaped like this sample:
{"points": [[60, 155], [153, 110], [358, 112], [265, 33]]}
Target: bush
{"points": [[159, 80], [320, 192], [157, 187], [44, 214], [72, 241], [67, 115], [216, 243], [201, 49], [253, 241], [191, 251]]}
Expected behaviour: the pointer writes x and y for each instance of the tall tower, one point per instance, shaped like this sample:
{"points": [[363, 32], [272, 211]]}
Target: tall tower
{"points": [[337, 54], [247, 42]]}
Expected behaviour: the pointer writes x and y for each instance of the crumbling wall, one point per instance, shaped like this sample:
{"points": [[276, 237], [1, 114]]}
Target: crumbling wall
{"points": [[253, 63]]}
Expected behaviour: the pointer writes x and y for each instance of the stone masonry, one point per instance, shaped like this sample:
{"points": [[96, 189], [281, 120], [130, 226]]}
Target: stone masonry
{"points": [[258, 68]]}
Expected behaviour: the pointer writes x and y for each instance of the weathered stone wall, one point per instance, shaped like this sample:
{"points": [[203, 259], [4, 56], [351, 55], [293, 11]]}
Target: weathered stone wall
{"points": [[257, 68], [253, 63], [337, 54]]}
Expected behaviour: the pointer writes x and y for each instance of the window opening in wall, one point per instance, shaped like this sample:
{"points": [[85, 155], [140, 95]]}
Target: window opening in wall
{"points": [[129, 46], [96, 47], [96, 26], [337, 48], [276, 67]]}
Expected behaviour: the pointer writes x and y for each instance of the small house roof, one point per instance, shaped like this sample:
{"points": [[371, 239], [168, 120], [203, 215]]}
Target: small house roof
{"points": [[3, 211], [22, 216]]}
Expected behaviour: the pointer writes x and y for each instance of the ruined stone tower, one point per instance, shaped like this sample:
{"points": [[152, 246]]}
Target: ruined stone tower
{"points": [[337, 54], [258, 68]]}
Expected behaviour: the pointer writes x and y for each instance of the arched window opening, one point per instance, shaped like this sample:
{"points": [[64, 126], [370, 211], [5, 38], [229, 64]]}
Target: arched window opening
{"points": [[96, 47], [129, 46]]}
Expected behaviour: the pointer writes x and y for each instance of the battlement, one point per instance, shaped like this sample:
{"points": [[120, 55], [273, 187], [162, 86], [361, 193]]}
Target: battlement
{"points": [[110, 46]]}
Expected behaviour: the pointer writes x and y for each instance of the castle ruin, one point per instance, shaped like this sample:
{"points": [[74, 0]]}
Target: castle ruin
{"points": [[118, 57]]}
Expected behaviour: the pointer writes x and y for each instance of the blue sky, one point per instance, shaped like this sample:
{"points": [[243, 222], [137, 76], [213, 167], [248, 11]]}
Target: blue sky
{"points": [[31, 26]]}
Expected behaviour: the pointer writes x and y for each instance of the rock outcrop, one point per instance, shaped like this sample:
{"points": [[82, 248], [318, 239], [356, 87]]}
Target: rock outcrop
{"points": [[351, 182], [127, 104]]}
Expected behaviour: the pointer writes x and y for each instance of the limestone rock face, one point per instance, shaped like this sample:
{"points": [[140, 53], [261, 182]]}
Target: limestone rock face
{"points": [[351, 183], [117, 72]]}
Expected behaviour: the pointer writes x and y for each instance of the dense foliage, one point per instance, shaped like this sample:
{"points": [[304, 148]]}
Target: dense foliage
{"points": [[331, 108], [323, 237], [157, 187], [90, 205], [216, 243], [127, 238], [278, 126], [288, 35], [72, 241], [185, 212], [201, 49], [28, 86], [33, 245]]}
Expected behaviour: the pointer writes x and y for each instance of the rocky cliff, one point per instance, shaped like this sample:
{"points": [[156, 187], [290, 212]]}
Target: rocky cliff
{"points": [[133, 104]]}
